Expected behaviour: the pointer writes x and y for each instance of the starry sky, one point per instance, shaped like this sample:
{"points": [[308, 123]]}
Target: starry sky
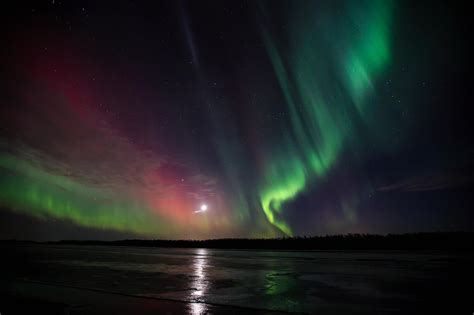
{"points": [[212, 119]]}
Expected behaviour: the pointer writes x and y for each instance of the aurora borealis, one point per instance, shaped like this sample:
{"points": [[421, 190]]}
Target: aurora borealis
{"points": [[320, 125], [283, 118]]}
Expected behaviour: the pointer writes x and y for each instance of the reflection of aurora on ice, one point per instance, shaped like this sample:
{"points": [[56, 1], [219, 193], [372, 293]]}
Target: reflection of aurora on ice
{"points": [[308, 282], [199, 284]]}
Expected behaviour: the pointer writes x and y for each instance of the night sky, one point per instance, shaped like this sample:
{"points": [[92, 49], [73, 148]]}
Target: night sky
{"points": [[211, 119]]}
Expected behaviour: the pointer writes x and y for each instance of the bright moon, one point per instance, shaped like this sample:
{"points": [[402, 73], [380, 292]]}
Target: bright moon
{"points": [[203, 207]]}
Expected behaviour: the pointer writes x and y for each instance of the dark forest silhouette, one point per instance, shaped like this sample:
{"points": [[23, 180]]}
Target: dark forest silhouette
{"points": [[426, 241]]}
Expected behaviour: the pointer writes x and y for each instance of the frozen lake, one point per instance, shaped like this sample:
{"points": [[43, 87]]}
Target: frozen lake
{"points": [[335, 282]]}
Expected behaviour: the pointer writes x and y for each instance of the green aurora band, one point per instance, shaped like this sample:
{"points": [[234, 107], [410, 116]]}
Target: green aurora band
{"points": [[326, 69], [36, 192]]}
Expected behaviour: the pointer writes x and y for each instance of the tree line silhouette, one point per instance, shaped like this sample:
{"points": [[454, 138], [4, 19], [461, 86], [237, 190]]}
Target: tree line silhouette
{"points": [[427, 241]]}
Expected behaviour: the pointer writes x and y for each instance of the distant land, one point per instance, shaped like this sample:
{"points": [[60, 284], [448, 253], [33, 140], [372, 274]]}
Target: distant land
{"points": [[411, 241]]}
